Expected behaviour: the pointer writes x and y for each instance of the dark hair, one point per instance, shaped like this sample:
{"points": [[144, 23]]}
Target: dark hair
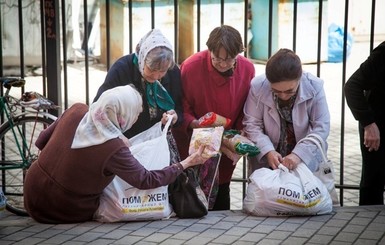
{"points": [[284, 65], [227, 37]]}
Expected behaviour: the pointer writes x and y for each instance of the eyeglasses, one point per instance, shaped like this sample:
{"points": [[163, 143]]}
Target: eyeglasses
{"points": [[229, 61], [291, 91]]}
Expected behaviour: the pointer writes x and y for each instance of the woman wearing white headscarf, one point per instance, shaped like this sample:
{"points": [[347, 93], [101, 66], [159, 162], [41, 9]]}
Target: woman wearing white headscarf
{"points": [[152, 70], [82, 152]]}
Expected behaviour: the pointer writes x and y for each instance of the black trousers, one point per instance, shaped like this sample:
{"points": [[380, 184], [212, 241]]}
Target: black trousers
{"points": [[373, 171], [223, 198]]}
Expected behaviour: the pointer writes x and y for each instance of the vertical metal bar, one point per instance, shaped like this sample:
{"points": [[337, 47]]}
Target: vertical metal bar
{"points": [[244, 162], [1, 64], [198, 25], [176, 27], [244, 177], [222, 12], [108, 34], [270, 38], [65, 72], [43, 49], [53, 56], [152, 14], [86, 53], [372, 23], [320, 7], [246, 25], [130, 25], [346, 17], [295, 15], [21, 39]]}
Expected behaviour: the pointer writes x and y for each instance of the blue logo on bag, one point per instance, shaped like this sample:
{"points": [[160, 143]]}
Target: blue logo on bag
{"points": [[154, 197]]}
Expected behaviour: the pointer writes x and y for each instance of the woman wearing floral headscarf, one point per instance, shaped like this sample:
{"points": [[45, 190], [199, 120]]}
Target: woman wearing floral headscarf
{"points": [[151, 69], [82, 152]]}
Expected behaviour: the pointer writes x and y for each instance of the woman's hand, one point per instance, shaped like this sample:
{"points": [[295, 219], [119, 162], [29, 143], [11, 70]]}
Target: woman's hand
{"points": [[291, 161], [125, 140], [171, 113], [194, 124], [194, 159], [274, 159]]}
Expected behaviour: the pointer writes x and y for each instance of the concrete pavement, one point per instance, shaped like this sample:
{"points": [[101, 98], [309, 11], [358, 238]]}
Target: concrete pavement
{"points": [[346, 225]]}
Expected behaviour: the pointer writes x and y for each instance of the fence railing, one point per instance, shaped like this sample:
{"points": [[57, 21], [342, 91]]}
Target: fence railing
{"points": [[46, 37]]}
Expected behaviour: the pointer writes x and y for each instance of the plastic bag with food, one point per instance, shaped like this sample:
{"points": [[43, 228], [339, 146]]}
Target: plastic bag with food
{"points": [[212, 119], [210, 137], [239, 144]]}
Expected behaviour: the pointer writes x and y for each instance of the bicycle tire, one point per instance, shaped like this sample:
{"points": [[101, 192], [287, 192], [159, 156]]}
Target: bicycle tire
{"points": [[12, 180]]}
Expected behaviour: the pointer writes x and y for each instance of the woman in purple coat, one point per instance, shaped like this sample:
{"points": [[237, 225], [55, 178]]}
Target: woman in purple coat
{"points": [[82, 152]]}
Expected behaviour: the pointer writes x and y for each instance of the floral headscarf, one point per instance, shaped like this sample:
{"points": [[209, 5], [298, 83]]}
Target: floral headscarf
{"points": [[109, 117], [151, 40]]}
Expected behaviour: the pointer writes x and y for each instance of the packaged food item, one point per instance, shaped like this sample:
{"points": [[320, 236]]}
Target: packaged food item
{"points": [[212, 119], [239, 144], [210, 137]]}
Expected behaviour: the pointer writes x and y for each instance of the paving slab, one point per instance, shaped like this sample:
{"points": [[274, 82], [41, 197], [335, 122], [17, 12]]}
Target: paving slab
{"points": [[345, 225]]}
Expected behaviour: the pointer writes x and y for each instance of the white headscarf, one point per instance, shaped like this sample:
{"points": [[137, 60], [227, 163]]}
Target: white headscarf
{"points": [[151, 40], [109, 117]]}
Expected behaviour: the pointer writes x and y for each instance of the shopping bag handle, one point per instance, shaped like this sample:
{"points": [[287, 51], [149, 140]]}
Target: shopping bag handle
{"points": [[318, 141], [283, 168], [167, 125]]}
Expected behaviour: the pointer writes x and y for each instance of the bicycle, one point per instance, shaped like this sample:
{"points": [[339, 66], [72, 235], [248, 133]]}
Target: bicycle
{"points": [[22, 121]]}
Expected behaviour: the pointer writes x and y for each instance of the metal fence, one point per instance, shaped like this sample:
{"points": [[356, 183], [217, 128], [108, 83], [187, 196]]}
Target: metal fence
{"points": [[42, 38]]}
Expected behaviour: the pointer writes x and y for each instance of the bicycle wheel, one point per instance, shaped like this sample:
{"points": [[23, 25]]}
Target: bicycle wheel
{"points": [[15, 162]]}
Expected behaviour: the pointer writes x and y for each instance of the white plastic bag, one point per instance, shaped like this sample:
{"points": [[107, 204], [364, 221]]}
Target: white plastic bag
{"points": [[122, 202], [3, 201], [325, 171], [281, 192]]}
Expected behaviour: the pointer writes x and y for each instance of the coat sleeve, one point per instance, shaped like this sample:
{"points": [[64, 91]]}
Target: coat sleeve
{"points": [[318, 115], [45, 135], [254, 118], [368, 77], [128, 168], [188, 115]]}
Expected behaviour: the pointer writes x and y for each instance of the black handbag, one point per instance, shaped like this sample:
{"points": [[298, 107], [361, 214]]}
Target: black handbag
{"points": [[186, 196]]}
